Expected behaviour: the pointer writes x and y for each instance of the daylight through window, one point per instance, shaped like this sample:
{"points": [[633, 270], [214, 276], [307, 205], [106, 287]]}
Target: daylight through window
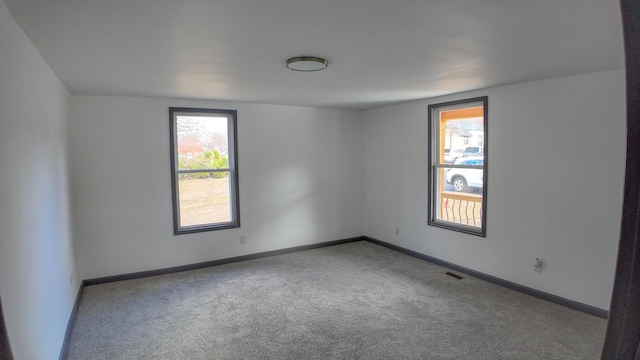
{"points": [[457, 165], [204, 169]]}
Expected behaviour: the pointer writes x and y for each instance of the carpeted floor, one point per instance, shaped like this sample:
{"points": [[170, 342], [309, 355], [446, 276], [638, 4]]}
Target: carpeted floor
{"points": [[350, 301]]}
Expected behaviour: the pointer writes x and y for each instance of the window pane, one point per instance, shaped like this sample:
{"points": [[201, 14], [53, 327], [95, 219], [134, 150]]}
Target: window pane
{"points": [[203, 142], [204, 198], [462, 137], [459, 199]]}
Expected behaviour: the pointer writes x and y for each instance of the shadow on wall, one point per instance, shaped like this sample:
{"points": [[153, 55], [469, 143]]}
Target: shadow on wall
{"points": [[5, 351]]}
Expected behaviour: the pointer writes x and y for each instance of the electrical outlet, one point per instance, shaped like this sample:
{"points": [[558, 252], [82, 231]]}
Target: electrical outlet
{"points": [[243, 239], [537, 266], [397, 231]]}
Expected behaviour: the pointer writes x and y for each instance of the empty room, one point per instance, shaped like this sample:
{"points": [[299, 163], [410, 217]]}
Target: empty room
{"points": [[271, 179]]}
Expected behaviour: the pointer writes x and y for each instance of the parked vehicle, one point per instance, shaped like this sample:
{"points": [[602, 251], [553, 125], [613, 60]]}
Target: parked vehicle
{"points": [[472, 151], [463, 179], [452, 155]]}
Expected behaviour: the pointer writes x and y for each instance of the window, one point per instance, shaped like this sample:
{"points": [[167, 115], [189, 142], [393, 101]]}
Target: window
{"points": [[458, 178], [204, 170]]}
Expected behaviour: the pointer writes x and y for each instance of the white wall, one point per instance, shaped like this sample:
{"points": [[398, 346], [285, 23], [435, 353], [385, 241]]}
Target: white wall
{"points": [[36, 251], [301, 174], [556, 167]]}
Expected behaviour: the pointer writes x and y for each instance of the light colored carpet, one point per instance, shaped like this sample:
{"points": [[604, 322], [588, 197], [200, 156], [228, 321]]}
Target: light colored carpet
{"points": [[350, 301]]}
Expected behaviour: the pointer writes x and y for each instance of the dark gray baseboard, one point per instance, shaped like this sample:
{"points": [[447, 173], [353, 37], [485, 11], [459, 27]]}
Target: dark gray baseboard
{"points": [[592, 310], [72, 319], [175, 269]]}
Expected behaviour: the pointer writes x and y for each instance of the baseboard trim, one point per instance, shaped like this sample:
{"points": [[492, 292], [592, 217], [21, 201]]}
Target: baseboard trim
{"points": [[592, 310], [64, 352], [205, 264]]}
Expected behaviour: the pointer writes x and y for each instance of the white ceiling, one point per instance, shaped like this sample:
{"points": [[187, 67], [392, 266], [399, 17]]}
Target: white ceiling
{"points": [[379, 51]]}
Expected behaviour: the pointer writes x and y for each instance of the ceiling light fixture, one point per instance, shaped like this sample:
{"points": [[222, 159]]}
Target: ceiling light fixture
{"points": [[307, 63]]}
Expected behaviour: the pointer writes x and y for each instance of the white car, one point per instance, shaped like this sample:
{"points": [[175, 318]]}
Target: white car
{"points": [[463, 179], [451, 156]]}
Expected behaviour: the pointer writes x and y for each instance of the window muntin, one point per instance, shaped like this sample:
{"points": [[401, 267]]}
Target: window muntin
{"points": [[457, 177], [204, 169]]}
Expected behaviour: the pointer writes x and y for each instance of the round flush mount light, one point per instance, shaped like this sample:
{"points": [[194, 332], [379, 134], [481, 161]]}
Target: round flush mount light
{"points": [[307, 63]]}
